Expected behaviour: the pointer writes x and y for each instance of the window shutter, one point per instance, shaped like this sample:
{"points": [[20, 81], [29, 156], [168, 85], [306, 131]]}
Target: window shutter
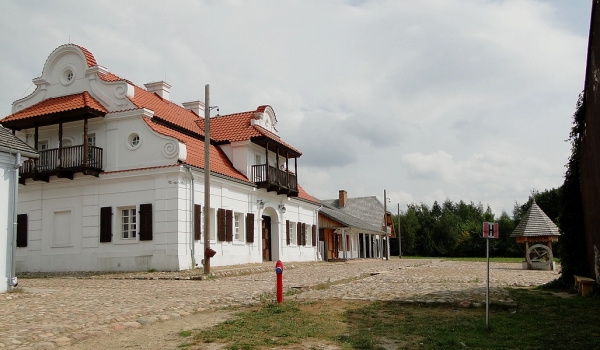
{"points": [[303, 234], [197, 221], [145, 222], [298, 232], [287, 232], [250, 228], [106, 224], [314, 235], [221, 225], [229, 225], [22, 230]]}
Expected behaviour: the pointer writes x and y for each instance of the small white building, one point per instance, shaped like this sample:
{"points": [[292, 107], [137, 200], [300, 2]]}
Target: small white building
{"points": [[119, 184], [11, 150]]}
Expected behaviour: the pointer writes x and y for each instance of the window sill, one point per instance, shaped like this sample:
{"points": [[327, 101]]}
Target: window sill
{"points": [[127, 241]]}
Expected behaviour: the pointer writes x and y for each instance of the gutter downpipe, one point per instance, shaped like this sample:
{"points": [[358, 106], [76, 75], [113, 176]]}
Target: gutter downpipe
{"points": [[317, 235], [192, 196]]}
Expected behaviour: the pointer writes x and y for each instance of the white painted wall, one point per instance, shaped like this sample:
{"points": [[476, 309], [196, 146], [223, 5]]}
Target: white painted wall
{"points": [[76, 247], [6, 217]]}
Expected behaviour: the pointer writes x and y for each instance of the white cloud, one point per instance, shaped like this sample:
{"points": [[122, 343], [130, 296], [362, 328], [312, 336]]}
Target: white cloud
{"points": [[467, 99]]}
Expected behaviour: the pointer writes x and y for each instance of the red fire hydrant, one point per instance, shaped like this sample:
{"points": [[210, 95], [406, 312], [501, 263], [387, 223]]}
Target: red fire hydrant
{"points": [[279, 272]]}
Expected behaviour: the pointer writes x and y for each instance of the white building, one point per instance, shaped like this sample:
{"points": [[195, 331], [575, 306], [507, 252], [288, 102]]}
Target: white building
{"points": [[11, 150], [119, 184]]}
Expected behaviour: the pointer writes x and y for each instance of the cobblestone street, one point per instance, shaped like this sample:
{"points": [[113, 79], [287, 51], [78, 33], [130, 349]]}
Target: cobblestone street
{"points": [[58, 310]]}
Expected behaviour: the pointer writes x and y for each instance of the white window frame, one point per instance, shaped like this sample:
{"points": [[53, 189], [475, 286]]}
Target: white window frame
{"points": [[238, 227], [213, 224], [91, 139], [128, 234], [293, 235], [43, 145], [308, 233]]}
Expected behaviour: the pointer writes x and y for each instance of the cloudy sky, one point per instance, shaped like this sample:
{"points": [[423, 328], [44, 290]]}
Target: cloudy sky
{"points": [[428, 99]]}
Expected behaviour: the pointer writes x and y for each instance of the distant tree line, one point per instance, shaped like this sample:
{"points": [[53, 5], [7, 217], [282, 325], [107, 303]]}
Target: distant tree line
{"points": [[455, 229]]}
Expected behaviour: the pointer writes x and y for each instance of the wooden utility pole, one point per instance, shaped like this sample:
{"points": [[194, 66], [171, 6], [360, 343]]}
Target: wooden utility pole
{"points": [[206, 179], [399, 235], [385, 254]]}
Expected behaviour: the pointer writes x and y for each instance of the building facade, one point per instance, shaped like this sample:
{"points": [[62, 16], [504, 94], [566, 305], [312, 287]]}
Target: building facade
{"points": [[119, 184], [12, 152], [355, 228]]}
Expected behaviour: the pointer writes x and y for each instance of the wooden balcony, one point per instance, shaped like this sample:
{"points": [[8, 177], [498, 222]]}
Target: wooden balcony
{"points": [[274, 179], [63, 163]]}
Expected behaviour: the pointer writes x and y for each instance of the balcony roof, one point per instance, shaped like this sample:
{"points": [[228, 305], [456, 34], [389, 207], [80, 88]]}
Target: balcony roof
{"points": [[54, 110]]}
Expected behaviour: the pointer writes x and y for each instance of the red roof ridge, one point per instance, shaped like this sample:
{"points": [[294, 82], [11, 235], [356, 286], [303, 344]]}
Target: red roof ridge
{"points": [[89, 57]]}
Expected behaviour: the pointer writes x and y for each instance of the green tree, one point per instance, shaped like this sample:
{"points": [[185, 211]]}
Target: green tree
{"points": [[572, 251]]}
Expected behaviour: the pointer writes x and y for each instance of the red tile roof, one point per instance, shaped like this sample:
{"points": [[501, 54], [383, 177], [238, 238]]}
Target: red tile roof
{"points": [[56, 105], [89, 57], [238, 127], [302, 194], [166, 110], [219, 163], [231, 128]]}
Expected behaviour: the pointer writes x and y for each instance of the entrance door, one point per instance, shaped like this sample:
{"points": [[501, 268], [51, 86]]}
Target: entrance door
{"points": [[266, 237]]}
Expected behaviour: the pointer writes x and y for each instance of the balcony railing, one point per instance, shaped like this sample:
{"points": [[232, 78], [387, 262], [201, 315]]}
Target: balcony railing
{"points": [[274, 179], [63, 163]]}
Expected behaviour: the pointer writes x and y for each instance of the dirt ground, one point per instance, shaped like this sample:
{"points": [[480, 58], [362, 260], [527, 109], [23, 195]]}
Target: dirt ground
{"points": [[165, 335], [160, 335]]}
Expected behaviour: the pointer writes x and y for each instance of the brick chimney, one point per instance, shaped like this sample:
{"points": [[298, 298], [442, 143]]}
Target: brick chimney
{"points": [[161, 88], [194, 106], [343, 198]]}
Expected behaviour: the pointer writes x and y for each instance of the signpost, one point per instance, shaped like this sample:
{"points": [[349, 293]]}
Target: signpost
{"points": [[490, 230]]}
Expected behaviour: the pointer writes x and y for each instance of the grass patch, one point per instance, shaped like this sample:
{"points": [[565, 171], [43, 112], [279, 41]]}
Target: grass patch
{"points": [[185, 334], [272, 325], [541, 320]]}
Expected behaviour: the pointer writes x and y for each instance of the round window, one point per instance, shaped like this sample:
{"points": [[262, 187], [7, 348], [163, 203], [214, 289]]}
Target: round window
{"points": [[133, 141], [67, 76]]}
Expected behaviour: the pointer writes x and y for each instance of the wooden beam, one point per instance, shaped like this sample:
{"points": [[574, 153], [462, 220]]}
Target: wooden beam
{"points": [[36, 137], [85, 143], [60, 142]]}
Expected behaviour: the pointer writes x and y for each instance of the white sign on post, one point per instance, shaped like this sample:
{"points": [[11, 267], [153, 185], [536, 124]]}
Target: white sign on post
{"points": [[491, 230]]}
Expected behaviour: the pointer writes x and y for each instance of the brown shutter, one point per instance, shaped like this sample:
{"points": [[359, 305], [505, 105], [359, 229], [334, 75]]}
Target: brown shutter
{"points": [[221, 225], [250, 228], [314, 235], [229, 225], [22, 230], [303, 234], [106, 224], [197, 221], [287, 232], [145, 222], [298, 230]]}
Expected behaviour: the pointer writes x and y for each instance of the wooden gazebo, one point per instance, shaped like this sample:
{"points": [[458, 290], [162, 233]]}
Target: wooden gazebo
{"points": [[536, 228]]}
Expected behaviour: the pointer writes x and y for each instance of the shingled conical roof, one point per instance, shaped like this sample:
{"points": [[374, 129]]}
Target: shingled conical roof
{"points": [[535, 223]]}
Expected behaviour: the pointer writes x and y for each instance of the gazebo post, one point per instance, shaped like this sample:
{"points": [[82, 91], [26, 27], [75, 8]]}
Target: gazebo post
{"points": [[526, 249]]}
